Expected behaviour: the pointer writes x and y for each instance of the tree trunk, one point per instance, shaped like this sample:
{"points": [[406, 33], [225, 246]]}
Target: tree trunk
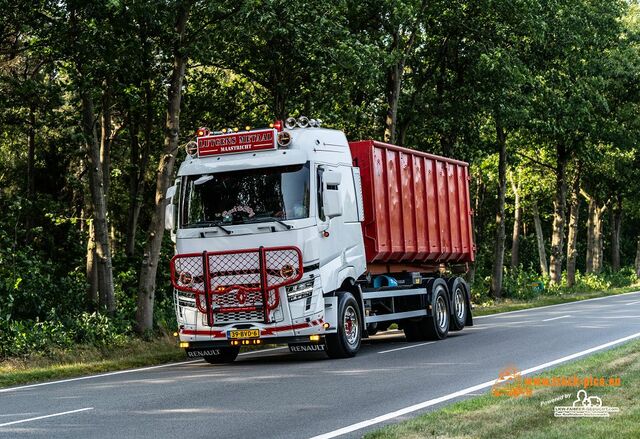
{"points": [[616, 222], [594, 235], [542, 253], [147, 285], [105, 138], [517, 221], [99, 205], [139, 161], [638, 258], [590, 242], [498, 253], [31, 158], [572, 240], [135, 187], [92, 269], [396, 73], [597, 240], [559, 206], [394, 84]]}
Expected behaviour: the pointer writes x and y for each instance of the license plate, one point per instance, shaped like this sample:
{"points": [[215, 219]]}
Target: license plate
{"points": [[244, 333]]}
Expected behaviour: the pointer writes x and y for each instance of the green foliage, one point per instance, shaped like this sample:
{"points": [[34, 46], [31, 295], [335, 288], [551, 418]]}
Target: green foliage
{"points": [[526, 285], [23, 337]]}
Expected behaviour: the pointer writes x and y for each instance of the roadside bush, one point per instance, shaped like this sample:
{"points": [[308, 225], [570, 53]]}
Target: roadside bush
{"points": [[522, 284], [18, 338], [24, 337], [527, 284], [98, 330]]}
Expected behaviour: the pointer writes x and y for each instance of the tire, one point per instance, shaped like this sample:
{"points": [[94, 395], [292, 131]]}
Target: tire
{"points": [[436, 326], [227, 355], [346, 342], [459, 304]]}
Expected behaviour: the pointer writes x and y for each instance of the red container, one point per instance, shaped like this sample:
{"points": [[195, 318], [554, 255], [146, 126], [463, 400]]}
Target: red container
{"points": [[417, 208]]}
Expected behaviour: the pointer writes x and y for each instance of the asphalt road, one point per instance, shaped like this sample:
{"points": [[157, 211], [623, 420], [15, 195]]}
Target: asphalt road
{"points": [[276, 394]]}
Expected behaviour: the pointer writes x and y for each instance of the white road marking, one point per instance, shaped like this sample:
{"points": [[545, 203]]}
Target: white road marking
{"points": [[464, 392], [556, 318], [45, 416], [632, 303], [100, 375], [120, 372], [557, 304], [407, 347]]}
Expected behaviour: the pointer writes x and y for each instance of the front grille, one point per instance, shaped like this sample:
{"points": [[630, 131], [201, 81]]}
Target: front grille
{"points": [[235, 298], [239, 317]]}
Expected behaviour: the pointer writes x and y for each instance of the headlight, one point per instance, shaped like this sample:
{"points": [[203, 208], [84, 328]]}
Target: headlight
{"points": [[300, 291]]}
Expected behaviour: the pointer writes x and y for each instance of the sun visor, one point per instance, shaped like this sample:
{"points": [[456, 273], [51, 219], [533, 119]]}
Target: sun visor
{"points": [[235, 162]]}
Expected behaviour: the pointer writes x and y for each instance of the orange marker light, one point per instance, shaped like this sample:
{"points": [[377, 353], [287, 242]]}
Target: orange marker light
{"points": [[202, 131]]}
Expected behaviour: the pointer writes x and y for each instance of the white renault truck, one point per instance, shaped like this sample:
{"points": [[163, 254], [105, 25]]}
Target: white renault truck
{"points": [[292, 235]]}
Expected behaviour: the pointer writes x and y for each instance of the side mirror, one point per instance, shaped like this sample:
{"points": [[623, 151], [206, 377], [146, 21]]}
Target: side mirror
{"points": [[171, 192], [169, 219], [331, 194]]}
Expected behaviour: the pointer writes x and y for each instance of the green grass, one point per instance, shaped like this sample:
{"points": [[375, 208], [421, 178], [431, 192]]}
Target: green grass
{"points": [[85, 360], [494, 417], [505, 305]]}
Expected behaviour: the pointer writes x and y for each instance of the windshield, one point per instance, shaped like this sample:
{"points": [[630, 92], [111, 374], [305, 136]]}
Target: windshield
{"points": [[254, 195]]}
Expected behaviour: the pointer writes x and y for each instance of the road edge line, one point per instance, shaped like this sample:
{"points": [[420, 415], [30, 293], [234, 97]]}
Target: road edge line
{"points": [[20, 421]]}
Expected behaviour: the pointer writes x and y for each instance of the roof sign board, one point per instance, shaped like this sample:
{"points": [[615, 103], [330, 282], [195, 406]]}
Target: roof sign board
{"points": [[234, 143]]}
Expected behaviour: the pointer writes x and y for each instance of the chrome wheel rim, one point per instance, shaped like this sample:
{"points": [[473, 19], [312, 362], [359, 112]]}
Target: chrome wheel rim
{"points": [[441, 313], [460, 303], [351, 325]]}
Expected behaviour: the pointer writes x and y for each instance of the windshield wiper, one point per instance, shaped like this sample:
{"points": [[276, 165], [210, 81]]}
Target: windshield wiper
{"points": [[211, 224], [263, 219]]}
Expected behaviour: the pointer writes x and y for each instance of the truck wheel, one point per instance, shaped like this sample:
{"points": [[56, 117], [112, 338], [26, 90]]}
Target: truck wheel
{"points": [[226, 355], [436, 327], [346, 342], [459, 307]]}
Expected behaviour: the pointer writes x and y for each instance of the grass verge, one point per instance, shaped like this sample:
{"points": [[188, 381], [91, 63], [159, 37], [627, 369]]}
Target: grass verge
{"points": [[86, 360], [495, 417], [542, 300]]}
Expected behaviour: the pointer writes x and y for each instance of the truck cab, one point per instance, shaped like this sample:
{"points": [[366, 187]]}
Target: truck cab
{"points": [[274, 216]]}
